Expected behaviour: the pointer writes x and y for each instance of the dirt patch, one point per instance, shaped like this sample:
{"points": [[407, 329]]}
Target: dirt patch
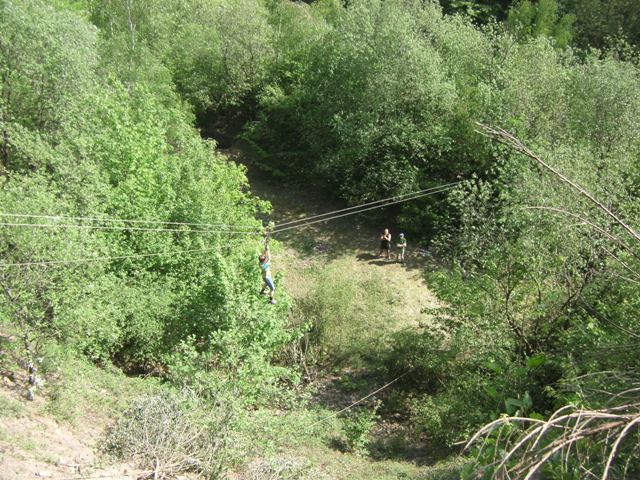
{"points": [[34, 446]]}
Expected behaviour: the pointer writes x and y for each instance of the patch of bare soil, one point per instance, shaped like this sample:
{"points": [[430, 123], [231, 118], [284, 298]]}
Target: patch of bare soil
{"points": [[35, 446]]}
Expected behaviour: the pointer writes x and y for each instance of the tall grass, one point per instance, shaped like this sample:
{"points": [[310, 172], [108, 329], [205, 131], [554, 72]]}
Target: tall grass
{"points": [[349, 313]]}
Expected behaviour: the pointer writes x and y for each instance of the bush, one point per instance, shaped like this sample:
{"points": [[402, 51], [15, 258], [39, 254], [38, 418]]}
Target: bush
{"points": [[344, 327], [357, 428], [172, 433]]}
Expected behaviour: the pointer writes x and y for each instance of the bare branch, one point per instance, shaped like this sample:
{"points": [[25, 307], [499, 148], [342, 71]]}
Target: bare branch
{"points": [[586, 221], [510, 140]]}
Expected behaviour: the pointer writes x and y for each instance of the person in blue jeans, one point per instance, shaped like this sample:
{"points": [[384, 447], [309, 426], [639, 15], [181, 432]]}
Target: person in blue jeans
{"points": [[264, 260]]}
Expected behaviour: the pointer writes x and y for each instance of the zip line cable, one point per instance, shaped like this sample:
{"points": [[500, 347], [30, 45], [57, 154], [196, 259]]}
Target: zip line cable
{"points": [[335, 414], [193, 224], [433, 192], [405, 198], [287, 226], [109, 228], [397, 197], [322, 420], [119, 220], [103, 259]]}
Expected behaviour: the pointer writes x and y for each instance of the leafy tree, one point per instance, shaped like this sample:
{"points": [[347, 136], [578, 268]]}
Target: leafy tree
{"points": [[480, 10], [527, 19], [598, 21], [364, 104], [42, 88], [89, 137], [217, 52]]}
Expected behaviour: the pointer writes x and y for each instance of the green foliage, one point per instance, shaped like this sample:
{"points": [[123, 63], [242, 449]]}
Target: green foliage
{"points": [[216, 53], [345, 318], [528, 273], [55, 51], [239, 358], [365, 106], [105, 136], [583, 23], [598, 21], [10, 407], [527, 19], [367, 100], [443, 399], [357, 427], [76, 389]]}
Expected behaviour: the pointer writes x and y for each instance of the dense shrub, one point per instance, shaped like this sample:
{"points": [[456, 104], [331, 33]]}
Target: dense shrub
{"points": [[366, 100], [357, 428], [103, 137]]}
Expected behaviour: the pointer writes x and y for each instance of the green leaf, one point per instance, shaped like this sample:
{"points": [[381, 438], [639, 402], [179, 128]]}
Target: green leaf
{"points": [[536, 360], [491, 391], [536, 416], [512, 405]]}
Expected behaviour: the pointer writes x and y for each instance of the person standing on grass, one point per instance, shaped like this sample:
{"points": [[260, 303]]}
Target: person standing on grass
{"points": [[385, 243], [264, 260], [402, 245]]}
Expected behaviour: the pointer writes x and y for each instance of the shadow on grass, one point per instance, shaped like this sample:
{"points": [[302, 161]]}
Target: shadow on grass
{"points": [[343, 389], [332, 242], [376, 260], [338, 444], [366, 257], [399, 445], [381, 263], [395, 442], [298, 200]]}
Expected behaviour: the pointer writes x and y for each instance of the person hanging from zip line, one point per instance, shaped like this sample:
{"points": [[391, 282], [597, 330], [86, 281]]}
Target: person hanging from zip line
{"points": [[385, 244], [264, 261], [402, 245]]}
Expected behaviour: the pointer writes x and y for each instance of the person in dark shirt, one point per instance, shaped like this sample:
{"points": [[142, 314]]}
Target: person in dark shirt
{"points": [[385, 244]]}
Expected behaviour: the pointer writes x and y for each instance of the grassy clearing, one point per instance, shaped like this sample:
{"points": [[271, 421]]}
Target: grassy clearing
{"points": [[304, 447], [354, 304], [322, 457], [349, 315]]}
